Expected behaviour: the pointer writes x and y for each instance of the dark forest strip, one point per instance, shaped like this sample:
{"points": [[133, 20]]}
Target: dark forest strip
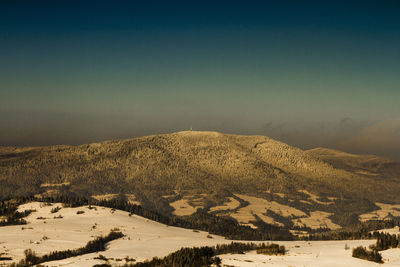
{"points": [[206, 256], [98, 244]]}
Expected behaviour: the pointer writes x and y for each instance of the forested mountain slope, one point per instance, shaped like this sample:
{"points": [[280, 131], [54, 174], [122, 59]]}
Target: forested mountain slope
{"points": [[205, 169]]}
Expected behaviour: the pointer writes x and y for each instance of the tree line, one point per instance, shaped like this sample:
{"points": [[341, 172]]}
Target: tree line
{"points": [[206, 256], [362, 230], [98, 244]]}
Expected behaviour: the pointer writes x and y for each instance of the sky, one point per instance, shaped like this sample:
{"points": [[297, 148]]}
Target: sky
{"points": [[308, 73]]}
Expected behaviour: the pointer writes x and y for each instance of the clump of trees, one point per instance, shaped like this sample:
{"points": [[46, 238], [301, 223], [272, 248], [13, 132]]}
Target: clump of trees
{"points": [[383, 241], [98, 244], [8, 209], [206, 256], [370, 255], [55, 210], [272, 249], [16, 218], [239, 248]]}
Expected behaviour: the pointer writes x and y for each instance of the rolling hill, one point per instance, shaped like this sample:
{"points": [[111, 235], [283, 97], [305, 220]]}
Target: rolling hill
{"points": [[250, 177]]}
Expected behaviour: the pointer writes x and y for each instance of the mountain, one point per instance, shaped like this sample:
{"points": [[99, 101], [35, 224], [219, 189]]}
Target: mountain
{"points": [[180, 172]]}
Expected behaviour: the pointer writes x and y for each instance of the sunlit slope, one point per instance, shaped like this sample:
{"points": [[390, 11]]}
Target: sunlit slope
{"points": [[185, 163]]}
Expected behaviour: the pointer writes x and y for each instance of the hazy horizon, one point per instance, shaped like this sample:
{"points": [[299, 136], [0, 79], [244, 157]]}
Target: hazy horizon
{"points": [[315, 74]]}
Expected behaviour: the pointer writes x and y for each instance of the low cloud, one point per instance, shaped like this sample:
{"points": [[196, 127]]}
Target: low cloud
{"points": [[364, 137], [382, 138]]}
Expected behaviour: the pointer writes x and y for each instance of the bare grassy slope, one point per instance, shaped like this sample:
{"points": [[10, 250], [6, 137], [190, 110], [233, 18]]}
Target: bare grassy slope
{"points": [[186, 163]]}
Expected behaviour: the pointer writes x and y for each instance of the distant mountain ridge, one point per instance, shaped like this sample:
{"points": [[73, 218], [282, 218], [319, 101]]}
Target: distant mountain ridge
{"points": [[367, 164]]}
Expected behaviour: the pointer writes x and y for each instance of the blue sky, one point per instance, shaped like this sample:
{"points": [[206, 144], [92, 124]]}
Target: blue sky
{"points": [[310, 73]]}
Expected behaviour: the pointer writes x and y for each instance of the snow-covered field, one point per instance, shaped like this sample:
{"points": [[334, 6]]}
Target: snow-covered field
{"points": [[304, 253], [313, 254], [145, 239]]}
